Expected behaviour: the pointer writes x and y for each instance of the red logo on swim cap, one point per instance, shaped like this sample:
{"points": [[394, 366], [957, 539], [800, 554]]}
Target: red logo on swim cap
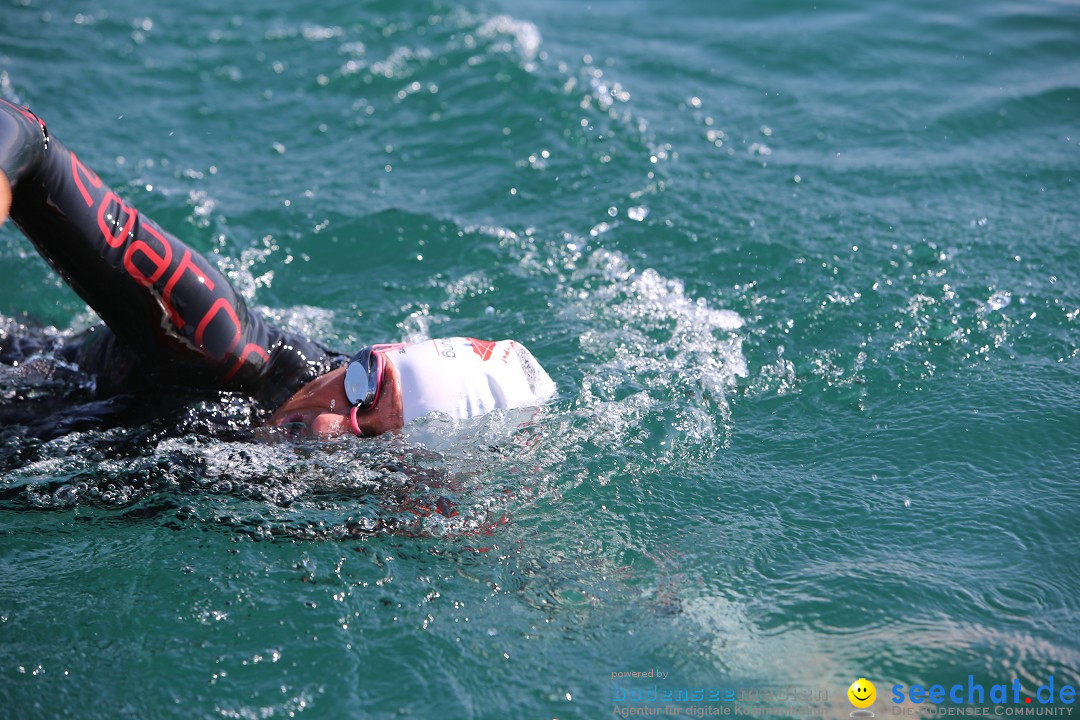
{"points": [[482, 348]]}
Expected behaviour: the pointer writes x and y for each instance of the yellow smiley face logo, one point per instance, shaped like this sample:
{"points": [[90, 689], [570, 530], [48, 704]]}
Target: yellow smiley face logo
{"points": [[862, 693]]}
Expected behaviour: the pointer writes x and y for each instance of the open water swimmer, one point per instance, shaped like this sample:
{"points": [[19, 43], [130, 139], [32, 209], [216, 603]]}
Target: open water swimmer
{"points": [[172, 321]]}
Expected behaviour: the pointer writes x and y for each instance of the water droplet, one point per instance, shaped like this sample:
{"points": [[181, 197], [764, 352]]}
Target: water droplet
{"points": [[999, 300]]}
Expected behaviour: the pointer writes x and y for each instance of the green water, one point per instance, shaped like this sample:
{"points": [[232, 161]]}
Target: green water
{"points": [[806, 277]]}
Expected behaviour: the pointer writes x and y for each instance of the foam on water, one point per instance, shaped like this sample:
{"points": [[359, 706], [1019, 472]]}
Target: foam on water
{"points": [[313, 489]]}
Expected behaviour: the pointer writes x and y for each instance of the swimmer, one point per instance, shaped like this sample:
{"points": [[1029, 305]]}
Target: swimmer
{"points": [[173, 320]]}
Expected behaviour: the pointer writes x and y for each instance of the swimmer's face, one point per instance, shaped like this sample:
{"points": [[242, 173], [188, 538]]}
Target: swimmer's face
{"points": [[321, 408]]}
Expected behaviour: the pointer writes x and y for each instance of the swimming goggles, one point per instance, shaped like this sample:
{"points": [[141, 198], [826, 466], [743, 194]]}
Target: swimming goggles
{"points": [[364, 377]]}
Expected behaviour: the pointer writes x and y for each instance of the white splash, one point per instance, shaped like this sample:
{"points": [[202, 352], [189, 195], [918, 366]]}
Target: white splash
{"points": [[653, 351], [526, 36]]}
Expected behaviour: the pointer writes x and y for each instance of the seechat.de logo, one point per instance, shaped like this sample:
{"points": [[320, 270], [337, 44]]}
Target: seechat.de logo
{"points": [[974, 693]]}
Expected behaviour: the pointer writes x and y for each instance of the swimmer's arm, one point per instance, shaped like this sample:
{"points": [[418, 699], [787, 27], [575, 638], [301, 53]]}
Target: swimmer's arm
{"points": [[159, 296], [20, 149], [22, 146]]}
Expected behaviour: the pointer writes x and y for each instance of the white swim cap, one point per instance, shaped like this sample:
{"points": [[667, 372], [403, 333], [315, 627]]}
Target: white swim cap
{"points": [[464, 377]]}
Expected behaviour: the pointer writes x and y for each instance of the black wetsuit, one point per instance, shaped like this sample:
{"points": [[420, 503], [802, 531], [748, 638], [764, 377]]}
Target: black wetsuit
{"points": [[173, 320]]}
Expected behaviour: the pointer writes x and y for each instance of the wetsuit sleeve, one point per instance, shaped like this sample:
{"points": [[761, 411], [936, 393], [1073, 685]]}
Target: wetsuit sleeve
{"points": [[165, 302]]}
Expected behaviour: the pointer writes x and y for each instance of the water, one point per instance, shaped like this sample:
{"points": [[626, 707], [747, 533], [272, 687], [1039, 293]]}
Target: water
{"points": [[805, 276]]}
